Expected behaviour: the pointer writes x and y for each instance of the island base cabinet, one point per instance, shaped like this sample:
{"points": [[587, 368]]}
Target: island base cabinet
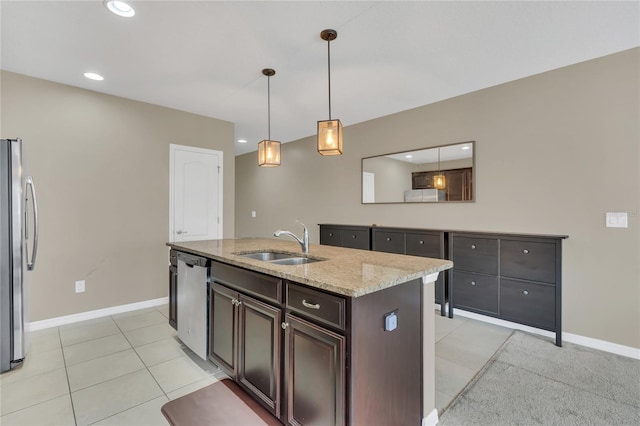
{"points": [[259, 351], [245, 343], [314, 374], [223, 328]]}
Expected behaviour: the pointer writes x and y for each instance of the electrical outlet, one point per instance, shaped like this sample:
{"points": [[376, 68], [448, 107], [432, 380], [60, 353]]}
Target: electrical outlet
{"points": [[253, 213], [80, 286]]}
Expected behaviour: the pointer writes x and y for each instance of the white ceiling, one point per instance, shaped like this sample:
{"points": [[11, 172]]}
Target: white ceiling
{"points": [[206, 57]]}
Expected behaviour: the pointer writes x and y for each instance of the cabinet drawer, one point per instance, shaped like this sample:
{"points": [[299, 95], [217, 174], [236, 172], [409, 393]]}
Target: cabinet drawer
{"points": [[476, 254], [475, 291], [528, 303], [390, 242], [323, 307], [425, 245], [253, 283], [528, 260], [356, 238], [331, 236]]}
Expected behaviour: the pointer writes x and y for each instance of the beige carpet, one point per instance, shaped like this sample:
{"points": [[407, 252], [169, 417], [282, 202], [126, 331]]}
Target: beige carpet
{"points": [[530, 381]]}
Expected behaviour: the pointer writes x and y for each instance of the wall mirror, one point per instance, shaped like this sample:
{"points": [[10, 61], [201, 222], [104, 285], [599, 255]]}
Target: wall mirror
{"points": [[432, 175]]}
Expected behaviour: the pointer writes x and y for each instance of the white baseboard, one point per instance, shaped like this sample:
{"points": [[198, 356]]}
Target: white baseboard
{"points": [[68, 319], [431, 419], [589, 342]]}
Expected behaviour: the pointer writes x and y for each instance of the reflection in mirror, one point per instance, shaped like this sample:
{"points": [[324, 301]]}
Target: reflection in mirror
{"points": [[436, 174]]}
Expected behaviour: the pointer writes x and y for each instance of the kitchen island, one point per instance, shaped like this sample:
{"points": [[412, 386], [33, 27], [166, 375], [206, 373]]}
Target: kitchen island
{"points": [[347, 339]]}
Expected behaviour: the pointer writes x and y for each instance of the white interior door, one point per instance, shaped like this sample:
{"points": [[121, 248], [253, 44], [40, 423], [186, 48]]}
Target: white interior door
{"points": [[195, 194]]}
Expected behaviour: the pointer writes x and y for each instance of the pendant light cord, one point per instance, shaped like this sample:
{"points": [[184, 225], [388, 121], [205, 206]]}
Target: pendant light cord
{"points": [[269, 106], [329, 69]]}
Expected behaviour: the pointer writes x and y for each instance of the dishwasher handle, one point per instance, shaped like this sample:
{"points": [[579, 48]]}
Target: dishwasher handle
{"points": [[191, 260]]}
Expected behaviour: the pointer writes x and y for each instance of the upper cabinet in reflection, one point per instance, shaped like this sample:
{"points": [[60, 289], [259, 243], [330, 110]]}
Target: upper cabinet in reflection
{"points": [[436, 174]]}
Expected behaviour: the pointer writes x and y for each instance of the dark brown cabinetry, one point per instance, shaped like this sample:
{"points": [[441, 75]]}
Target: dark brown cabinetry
{"points": [[458, 182], [244, 341], [357, 237], [314, 374], [515, 277], [511, 277], [287, 345], [414, 242], [173, 289]]}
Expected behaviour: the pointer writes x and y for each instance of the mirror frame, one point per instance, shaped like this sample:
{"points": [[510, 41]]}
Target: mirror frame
{"points": [[473, 175]]}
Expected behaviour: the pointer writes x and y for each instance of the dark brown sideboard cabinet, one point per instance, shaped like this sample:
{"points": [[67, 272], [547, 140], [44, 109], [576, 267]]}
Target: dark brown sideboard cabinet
{"points": [[514, 277]]}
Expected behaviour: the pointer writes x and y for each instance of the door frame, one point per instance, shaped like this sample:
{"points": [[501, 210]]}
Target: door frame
{"points": [[172, 149]]}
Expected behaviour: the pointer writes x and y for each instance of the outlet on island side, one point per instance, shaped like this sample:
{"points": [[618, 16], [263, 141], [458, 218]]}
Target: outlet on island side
{"points": [[80, 286]]}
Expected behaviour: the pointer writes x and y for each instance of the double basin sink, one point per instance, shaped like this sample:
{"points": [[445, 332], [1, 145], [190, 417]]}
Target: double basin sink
{"points": [[279, 258]]}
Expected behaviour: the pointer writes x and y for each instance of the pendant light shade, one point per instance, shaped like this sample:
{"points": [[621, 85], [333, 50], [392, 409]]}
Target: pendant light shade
{"points": [[268, 150], [329, 131], [439, 181]]}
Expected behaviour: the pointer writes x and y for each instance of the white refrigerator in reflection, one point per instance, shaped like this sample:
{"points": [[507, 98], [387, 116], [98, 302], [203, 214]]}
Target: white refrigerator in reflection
{"points": [[18, 248]]}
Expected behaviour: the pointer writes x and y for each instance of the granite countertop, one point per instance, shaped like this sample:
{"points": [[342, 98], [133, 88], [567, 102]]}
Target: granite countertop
{"points": [[349, 272]]}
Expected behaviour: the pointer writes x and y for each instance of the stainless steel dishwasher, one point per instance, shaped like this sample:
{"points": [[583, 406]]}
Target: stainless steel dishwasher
{"points": [[193, 275]]}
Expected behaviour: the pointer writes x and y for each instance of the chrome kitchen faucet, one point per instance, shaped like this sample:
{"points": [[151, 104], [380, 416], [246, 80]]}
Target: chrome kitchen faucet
{"points": [[304, 241]]}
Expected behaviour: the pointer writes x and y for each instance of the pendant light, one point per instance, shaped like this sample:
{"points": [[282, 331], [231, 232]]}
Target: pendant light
{"points": [[439, 181], [268, 150], [329, 131]]}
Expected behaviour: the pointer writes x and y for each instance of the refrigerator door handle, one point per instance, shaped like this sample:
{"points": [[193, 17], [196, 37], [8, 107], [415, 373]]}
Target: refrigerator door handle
{"points": [[31, 264]]}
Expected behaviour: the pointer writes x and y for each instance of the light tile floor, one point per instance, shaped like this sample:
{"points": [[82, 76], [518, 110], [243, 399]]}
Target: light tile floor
{"points": [[119, 370]]}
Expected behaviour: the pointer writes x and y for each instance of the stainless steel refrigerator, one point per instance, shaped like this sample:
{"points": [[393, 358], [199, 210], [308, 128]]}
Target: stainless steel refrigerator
{"points": [[18, 248]]}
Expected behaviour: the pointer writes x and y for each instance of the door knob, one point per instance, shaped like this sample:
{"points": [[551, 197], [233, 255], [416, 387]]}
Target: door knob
{"points": [[180, 231]]}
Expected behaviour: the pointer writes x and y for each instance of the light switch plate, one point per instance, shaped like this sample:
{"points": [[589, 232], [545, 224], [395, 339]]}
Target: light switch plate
{"points": [[617, 220], [80, 286]]}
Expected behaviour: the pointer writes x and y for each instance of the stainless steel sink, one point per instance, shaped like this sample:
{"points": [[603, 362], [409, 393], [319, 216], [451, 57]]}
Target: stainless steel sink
{"points": [[295, 261], [266, 256], [279, 258]]}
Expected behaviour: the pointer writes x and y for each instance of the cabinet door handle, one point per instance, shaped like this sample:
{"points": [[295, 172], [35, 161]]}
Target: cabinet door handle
{"points": [[525, 251], [284, 325], [233, 301], [388, 239], [473, 283], [473, 246], [331, 235], [354, 236], [525, 292], [421, 242], [310, 305]]}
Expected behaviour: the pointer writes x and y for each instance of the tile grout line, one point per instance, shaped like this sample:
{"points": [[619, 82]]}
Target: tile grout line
{"points": [[145, 367], [66, 372]]}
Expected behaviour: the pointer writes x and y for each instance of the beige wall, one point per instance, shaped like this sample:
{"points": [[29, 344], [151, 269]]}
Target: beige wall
{"points": [[554, 152], [392, 178], [101, 168]]}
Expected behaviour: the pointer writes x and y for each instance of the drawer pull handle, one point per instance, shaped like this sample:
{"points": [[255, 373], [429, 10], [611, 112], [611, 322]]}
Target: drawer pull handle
{"points": [[525, 292], [284, 325], [473, 283], [388, 239], [525, 251], [473, 246], [421, 242], [310, 305], [354, 236], [331, 235]]}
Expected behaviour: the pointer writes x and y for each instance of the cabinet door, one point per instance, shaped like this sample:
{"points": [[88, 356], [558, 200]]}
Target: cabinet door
{"points": [[330, 236], [314, 374], [223, 328], [173, 297], [259, 351]]}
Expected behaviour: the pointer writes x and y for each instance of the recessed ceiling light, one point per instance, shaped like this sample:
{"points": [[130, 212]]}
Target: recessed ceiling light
{"points": [[93, 76], [120, 8], [242, 141], [466, 147], [408, 156]]}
